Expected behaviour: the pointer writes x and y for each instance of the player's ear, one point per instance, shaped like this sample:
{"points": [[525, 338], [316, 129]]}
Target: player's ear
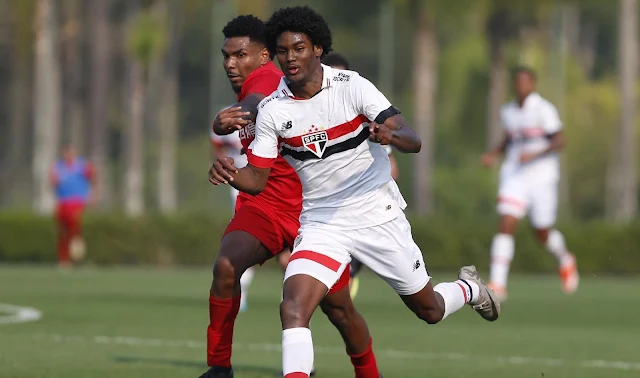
{"points": [[318, 50], [265, 57]]}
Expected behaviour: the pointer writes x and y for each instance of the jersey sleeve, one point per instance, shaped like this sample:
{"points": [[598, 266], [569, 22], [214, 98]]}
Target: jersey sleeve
{"points": [[264, 83], [263, 151], [369, 101], [550, 119]]}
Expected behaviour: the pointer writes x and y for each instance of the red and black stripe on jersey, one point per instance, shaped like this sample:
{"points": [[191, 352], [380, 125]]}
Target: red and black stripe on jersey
{"points": [[335, 133]]}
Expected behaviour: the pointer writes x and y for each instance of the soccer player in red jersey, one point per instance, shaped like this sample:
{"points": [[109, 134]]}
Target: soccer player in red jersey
{"points": [[72, 178], [265, 224]]}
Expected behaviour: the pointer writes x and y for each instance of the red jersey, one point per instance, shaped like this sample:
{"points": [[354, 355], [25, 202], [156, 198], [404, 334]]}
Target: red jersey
{"points": [[283, 190]]}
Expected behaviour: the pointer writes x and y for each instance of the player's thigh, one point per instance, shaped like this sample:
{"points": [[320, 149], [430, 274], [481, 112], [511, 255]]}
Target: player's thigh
{"points": [[251, 238], [320, 253], [513, 199], [389, 251], [544, 204]]}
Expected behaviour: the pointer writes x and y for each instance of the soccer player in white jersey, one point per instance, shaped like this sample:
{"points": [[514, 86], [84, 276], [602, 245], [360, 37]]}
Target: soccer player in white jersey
{"points": [[337, 61], [351, 206], [529, 181]]}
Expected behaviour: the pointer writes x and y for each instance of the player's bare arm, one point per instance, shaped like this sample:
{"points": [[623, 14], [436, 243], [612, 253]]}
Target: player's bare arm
{"points": [[238, 116], [249, 179], [396, 132], [489, 158], [557, 142]]}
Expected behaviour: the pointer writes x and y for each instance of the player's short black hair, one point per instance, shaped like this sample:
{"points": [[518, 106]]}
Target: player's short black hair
{"points": [[335, 59], [301, 19], [248, 26], [526, 70]]}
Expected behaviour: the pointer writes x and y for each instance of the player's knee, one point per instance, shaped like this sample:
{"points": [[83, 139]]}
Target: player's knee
{"points": [[292, 314], [430, 315], [339, 316], [224, 274]]}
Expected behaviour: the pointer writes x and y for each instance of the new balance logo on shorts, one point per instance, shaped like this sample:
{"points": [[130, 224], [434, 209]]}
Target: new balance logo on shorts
{"points": [[416, 265]]}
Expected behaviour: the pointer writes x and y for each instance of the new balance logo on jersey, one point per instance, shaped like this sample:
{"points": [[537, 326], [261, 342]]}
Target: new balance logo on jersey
{"points": [[315, 141], [416, 265], [287, 125]]}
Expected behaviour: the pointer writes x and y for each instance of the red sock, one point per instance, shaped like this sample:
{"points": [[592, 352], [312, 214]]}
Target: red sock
{"points": [[364, 364], [296, 375], [222, 316]]}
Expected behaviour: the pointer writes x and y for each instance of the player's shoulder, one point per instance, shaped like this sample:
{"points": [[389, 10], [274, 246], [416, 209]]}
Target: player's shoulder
{"points": [[545, 104], [343, 77]]}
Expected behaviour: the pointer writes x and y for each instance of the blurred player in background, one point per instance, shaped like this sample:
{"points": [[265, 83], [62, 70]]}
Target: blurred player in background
{"points": [[337, 61], [72, 178], [529, 181], [317, 119], [264, 224]]}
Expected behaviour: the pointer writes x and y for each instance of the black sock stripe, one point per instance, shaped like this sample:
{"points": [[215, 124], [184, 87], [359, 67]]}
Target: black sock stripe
{"points": [[470, 289]]}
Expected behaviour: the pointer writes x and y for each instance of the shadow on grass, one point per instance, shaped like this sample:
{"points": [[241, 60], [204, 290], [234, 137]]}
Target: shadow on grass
{"points": [[193, 364]]}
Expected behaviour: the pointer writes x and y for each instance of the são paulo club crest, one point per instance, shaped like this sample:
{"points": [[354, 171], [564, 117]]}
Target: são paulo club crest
{"points": [[315, 140]]}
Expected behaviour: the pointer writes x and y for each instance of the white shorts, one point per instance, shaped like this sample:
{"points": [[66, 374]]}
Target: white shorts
{"points": [[387, 249], [519, 195]]}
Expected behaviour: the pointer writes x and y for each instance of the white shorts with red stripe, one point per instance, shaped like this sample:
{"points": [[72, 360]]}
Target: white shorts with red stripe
{"points": [[519, 194], [387, 249]]}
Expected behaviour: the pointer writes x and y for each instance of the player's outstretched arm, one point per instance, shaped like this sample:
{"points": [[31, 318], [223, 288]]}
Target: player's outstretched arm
{"points": [[238, 115], [489, 158], [396, 132], [249, 179]]}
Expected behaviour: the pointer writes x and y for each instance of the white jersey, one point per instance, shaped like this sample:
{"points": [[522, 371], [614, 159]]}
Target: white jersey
{"points": [[529, 128], [346, 179]]}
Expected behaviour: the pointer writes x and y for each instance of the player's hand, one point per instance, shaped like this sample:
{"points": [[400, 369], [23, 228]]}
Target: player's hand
{"points": [[488, 159], [220, 172], [526, 157], [380, 133], [231, 119]]}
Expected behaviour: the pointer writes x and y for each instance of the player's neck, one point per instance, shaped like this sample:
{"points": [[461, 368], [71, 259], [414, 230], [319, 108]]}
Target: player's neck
{"points": [[309, 88], [523, 99]]}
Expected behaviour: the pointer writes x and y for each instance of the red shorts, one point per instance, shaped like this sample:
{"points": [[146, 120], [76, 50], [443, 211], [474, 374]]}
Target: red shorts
{"points": [[275, 229]]}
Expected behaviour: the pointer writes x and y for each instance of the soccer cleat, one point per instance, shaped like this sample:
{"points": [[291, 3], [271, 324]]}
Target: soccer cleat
{"points": [[569, 275], [218, 372], [501, 291], [486, 302], [354, 286]]}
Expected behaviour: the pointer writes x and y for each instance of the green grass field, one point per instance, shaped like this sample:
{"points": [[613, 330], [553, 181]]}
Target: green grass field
{"points": [[151, 323]]}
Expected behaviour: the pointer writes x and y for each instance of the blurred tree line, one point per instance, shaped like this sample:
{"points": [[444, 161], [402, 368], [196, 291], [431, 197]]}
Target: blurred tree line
{"points": [[134, 84]]}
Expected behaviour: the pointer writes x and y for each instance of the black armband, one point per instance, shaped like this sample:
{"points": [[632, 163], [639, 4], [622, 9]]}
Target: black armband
{"points": [[386, 114]]}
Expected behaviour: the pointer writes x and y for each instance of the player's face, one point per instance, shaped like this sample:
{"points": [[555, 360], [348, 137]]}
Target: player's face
{"points": [[299, 59], [241, 58], [68, 153], [523, 84]]}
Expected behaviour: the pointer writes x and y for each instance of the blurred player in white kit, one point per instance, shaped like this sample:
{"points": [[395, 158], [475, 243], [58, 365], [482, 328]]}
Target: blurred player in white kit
{"points": [[529, 179]]}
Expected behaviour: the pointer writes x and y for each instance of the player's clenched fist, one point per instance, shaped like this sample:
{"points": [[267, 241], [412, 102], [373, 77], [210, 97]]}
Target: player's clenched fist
{"points": [[220, 172], [230, 120], [380, 133]]}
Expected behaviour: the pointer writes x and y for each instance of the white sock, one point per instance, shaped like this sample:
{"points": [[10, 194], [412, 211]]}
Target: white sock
{"points": [[557, 247], [297, 351], [246, 278], [502, 250], [456, 294]]}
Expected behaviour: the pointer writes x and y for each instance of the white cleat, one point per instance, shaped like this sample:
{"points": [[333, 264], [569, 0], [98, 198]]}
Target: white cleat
{"points": [[486, 303], [569, 275]]}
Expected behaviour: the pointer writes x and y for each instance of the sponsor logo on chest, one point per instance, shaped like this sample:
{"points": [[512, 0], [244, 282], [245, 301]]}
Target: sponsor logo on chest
{"points": [[249, 132]]}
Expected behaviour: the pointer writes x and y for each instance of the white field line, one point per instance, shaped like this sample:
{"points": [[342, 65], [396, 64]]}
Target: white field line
{"points": [[11, 314], [390, 353]]}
